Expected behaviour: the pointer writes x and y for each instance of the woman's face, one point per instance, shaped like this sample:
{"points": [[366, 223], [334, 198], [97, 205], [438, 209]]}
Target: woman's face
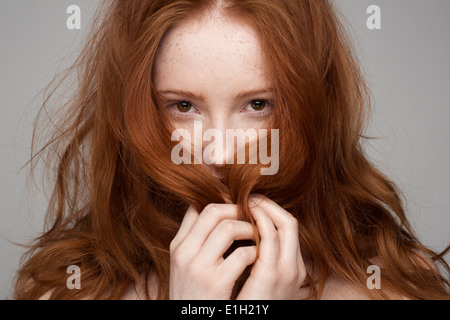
{"points": [[211, 71]]}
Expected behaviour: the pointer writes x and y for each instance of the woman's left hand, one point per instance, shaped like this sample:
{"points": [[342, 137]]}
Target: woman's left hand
{"points": [[279, 271]]}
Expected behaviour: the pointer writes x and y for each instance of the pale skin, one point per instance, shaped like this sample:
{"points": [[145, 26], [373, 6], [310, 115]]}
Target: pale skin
{"points": [[198, 269], [212, 70]]}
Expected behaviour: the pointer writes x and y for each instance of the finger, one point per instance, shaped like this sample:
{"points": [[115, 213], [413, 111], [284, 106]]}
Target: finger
{"points": [[222, 237], [269, 249], [208, 219], [188, 222], [280, 217], [234, 265], [285, 223]]}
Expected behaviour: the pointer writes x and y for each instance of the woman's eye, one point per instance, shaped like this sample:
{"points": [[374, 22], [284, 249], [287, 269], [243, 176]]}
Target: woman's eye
{"points": [[258, 105], [184, 106]]}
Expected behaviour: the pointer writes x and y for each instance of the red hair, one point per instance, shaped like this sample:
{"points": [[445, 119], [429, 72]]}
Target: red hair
{"points": [[118, 199]]}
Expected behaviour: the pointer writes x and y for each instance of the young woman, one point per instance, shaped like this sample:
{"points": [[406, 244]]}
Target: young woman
{"points": [[140, 225]]}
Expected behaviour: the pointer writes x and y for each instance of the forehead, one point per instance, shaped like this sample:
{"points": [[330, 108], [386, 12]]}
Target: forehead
{"points": [[210, 49]]}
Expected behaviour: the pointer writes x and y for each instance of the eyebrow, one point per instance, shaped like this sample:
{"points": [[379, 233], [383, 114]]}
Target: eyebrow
{"points": [[194, 96]]}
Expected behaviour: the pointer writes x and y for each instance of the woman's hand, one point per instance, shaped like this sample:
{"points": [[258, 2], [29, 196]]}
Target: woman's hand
{"points": [[279, 270], [197, 267]]}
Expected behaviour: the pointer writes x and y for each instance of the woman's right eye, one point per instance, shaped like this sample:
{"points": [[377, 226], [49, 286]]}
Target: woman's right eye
{"points": [[184, 106]]}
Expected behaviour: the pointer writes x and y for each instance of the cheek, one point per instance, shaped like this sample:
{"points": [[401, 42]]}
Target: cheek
{"points": [[256, 123]]}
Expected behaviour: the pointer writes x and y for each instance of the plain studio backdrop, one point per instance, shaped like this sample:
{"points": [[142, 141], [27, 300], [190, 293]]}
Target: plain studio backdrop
{"points": [[406, 64]]}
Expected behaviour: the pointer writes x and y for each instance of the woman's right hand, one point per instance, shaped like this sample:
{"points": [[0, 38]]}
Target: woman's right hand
{"points": [[198, 269]]}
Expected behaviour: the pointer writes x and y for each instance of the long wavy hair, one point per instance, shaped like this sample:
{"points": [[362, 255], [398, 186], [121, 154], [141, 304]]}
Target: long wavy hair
{"points": [[118, 199]]}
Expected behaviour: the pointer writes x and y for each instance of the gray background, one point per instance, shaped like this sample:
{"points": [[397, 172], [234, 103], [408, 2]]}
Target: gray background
{"points": [[406, 64]]}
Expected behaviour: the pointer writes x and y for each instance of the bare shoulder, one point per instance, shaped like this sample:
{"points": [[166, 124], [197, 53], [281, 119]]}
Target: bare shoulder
{"points": [[337, 289], [133, 292]]}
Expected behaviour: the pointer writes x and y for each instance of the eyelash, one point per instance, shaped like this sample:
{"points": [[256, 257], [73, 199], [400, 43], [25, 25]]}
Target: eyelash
{"points": [[178, 113], [253, 113], [260, 113]]}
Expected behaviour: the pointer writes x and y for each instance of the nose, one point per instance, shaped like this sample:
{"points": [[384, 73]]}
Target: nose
{"points": [[215, 150]]}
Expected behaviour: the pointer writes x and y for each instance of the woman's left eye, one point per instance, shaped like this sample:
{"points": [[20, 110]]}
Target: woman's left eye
{"points": [[259, 105]]}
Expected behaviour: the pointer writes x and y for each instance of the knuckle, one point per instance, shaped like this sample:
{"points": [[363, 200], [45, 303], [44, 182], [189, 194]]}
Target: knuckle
{"points": [[178, 257], [226, 226], [211, 209], [293, 222]]}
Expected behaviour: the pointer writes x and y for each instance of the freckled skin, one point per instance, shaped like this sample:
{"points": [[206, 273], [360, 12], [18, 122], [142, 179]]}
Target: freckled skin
{"points": [[216, 57]]}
